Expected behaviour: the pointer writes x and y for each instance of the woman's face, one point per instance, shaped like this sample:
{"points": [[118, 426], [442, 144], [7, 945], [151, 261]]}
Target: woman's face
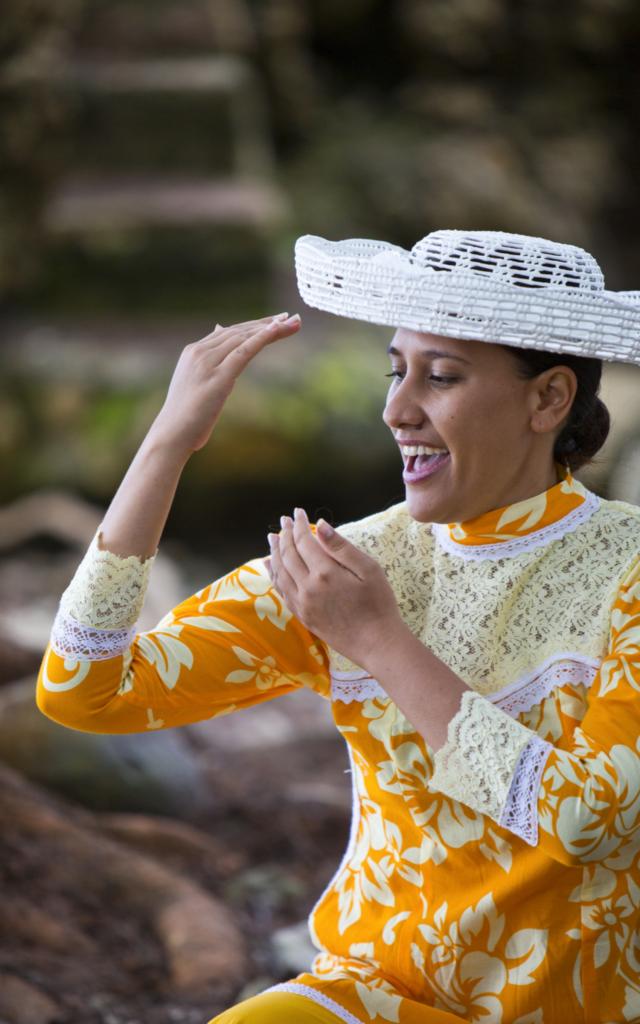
{"points": [[488, 432]]}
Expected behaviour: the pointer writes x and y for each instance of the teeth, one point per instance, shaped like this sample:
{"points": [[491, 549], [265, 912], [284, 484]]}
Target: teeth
{"points": [[421, 449]]}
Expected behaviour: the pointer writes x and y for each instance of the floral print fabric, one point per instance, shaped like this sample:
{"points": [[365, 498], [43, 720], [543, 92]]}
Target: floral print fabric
{"points": [[438, 910]]}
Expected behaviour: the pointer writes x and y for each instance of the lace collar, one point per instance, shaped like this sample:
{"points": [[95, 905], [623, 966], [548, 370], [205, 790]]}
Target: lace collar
{"points": [[523, 526]]}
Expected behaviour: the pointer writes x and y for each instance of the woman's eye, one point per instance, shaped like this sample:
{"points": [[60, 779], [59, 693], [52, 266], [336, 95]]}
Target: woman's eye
{"points": [[436, 378]]}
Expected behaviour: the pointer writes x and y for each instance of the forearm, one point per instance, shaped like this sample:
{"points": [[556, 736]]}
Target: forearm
{"points": [[137, 515], [426, 690], [101, 605]]}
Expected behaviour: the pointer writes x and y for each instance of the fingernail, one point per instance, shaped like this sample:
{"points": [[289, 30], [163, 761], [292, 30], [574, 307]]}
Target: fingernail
{"points": [[281, 316], [324, 529], [293, 319], [283, 522]]}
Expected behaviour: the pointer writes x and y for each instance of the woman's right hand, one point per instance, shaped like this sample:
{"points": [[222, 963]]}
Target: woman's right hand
{"points": [[204, 377]]}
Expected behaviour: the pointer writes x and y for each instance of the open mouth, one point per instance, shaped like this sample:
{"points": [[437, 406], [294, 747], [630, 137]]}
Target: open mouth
{"points": [[423, 462]]}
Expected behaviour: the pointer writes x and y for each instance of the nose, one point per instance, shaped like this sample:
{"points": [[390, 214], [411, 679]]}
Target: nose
{"points": [[402, 409]]}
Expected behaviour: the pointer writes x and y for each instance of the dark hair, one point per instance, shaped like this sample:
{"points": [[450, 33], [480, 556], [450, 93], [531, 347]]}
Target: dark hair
{"points": [[587, 427]]}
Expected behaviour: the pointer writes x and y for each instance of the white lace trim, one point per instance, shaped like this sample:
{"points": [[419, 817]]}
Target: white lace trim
{"points": [[492, 622], [520, 812], [350, 686], [351, 843], [70, 639], [518, 545], [535, 686], [298, 989], [476, 764], [107, 591]]}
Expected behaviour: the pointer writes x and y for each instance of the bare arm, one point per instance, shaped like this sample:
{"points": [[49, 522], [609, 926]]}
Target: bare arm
{"points": [[201, 383], [98, 673]]}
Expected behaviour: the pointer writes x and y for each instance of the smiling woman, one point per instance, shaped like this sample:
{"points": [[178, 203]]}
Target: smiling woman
{"points": [[479, 642], [497, 427], [507, 414]]}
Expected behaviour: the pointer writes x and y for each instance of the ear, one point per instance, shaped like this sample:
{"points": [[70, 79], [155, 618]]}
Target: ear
{"points": [[552, 395]]}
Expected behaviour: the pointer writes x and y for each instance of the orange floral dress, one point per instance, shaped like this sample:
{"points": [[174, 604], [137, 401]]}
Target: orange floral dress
{"points": [[496, 880]]}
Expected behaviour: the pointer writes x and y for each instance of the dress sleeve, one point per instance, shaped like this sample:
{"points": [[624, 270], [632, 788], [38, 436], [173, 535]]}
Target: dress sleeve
{"points": [[228, 646], [580, 805]]}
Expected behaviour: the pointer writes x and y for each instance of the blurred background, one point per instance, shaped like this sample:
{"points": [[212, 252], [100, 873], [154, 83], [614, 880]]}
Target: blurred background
{"points": [[157, 162]]}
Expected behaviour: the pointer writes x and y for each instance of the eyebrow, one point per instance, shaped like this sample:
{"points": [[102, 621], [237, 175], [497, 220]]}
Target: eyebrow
{"points": [[432, 353]]}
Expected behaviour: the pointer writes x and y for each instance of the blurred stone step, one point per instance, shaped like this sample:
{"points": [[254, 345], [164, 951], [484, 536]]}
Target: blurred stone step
{"points": [[210, 74], [192, 115], [153, 245], [156, 269], [157, 26], [88, 205]]}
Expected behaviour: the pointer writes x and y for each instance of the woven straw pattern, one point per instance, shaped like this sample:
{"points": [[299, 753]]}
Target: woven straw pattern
{"points": [[485, 286], [513, 259]]}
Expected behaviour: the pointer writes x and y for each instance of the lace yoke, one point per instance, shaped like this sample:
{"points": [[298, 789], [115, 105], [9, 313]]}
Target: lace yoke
{"points": [[499, 622]]}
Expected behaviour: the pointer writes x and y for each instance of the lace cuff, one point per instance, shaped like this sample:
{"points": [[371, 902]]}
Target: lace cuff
{"points": [[520, 812], [107, 590], [70, 639], [477, 763]]}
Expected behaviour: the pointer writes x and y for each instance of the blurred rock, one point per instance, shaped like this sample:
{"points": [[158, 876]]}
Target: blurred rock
{"points": [[295, 718], [16, 660], [292, 949], [54, 513], [154, 772], [201, 942], [23, 921], [254, 987], [175, 843], [267, 889], [32, 580], [23, 1003], [319, 795]]}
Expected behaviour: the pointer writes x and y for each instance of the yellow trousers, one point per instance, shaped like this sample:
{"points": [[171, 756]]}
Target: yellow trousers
{"points": [[288, 1008], [276, 1008]]}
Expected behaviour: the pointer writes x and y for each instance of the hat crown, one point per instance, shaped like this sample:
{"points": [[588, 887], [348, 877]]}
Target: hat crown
{"points": [[520, 260]]}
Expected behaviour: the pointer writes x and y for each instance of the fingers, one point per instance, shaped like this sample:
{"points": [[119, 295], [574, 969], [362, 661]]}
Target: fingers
{"points": [[240, 348], [246, 323], [280, 577], [244, 326], [300, 558], [233, 351], [292, 555], [328, 547], [290, 568], [313, 554]]}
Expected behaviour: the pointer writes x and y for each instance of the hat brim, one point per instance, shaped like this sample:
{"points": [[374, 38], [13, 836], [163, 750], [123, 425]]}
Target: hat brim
{"points": [[375, 281]]}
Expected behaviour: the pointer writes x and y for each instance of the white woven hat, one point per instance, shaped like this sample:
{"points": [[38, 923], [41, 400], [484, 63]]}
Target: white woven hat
{"points": [[482, 285]]}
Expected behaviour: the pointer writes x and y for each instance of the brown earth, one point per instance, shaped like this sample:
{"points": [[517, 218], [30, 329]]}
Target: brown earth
{"points": [[129, 918]]}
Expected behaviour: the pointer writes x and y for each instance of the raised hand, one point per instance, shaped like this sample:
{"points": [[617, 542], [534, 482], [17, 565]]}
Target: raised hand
{"points": [[205, 374]]}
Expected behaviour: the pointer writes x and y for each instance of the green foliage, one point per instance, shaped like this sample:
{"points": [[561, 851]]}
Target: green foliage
{"points": [[144, 269]]}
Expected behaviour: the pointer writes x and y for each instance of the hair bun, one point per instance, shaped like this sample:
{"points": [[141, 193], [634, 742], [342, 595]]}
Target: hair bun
{"points": [[581, 439]]}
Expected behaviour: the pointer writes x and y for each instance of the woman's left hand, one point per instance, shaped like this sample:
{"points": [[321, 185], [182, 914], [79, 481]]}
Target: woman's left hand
{"points": [[336, 591]]}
